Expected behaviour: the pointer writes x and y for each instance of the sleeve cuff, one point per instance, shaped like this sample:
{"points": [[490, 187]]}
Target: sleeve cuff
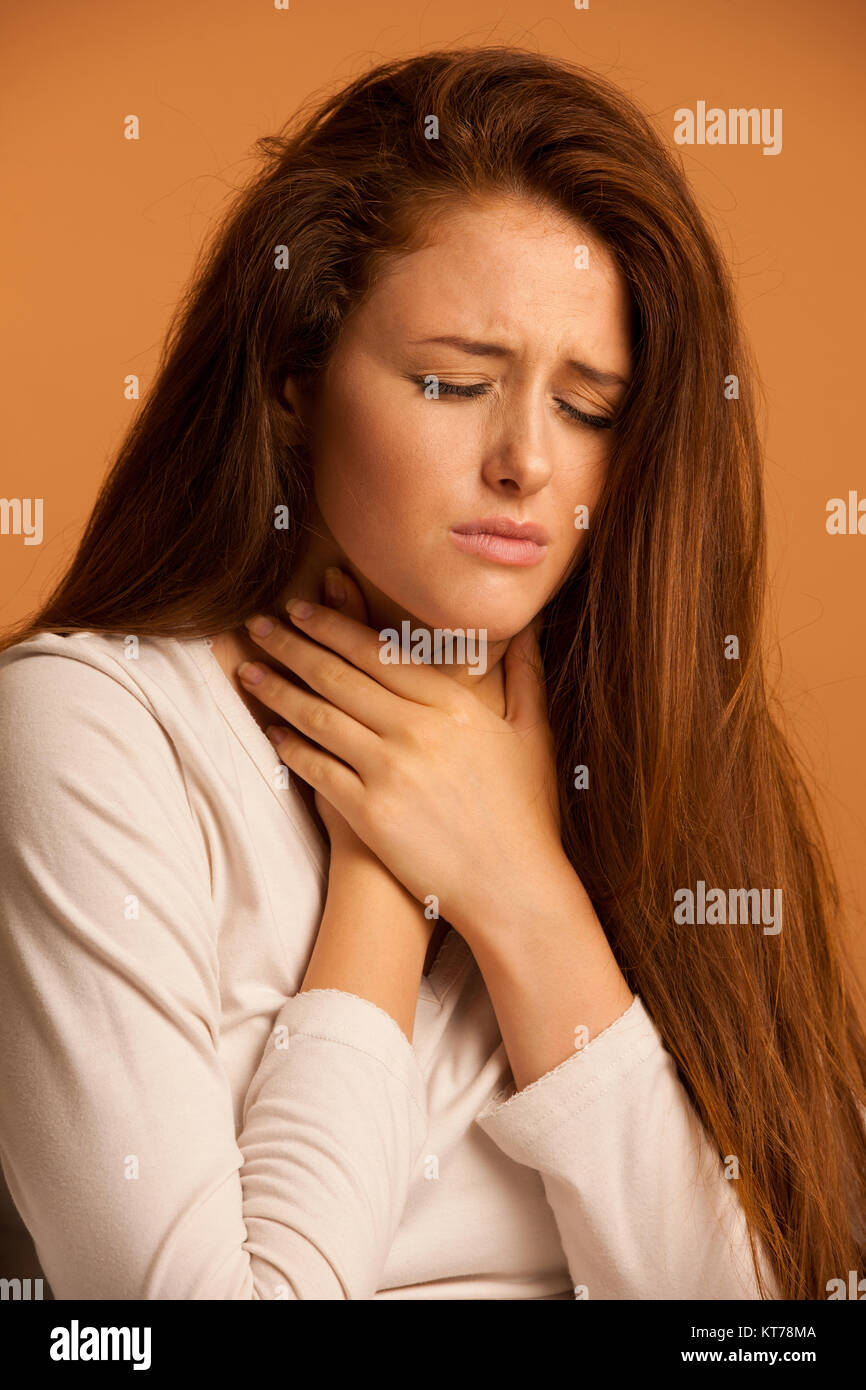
{"points": [[337, 1016], [524, 1123]]}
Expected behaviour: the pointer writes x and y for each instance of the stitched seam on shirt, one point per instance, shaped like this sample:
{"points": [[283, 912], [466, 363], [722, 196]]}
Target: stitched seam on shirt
{"points": [[325, 1037], [226, 698], [566, 1060], [617, 1022], [620, 1074], [617, 1067], [623, 1074], [347, 994], [543, 1080]]}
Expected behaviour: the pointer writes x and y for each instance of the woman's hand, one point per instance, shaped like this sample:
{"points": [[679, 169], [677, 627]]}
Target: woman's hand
{"points": [[343, 595], [457, 801], [373, 936]]}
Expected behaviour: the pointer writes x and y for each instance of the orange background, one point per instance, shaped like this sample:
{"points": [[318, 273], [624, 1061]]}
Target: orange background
{"points": [[101, 234]]}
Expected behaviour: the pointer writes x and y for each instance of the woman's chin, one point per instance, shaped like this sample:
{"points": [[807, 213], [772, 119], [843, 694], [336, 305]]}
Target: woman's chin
{"points": [[461, 608], [489, 623]]}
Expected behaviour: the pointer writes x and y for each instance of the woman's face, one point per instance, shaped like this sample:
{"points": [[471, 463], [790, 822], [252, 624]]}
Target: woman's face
{"points": [[413, 485]]}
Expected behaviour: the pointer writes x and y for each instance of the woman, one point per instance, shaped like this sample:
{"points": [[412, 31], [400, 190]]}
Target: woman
{"points": [[467, 346]]}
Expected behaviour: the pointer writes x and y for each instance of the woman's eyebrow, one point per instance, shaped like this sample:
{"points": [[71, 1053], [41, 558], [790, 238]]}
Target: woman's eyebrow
{"points": [[479, 349]]}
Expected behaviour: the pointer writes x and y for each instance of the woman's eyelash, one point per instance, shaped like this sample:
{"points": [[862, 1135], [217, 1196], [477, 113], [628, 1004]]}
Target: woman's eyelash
{"points": [[480, 388]]}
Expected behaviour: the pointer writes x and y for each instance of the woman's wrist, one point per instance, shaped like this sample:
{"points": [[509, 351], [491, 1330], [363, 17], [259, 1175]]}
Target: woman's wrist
{"points": [[497, 905], [373, 937], [552, 978]]}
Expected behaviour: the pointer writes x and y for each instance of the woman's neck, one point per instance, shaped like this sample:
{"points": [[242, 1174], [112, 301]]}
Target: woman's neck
{"points": [[382, 613]]}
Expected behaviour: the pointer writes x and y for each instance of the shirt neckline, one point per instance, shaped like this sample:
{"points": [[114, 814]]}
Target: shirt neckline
{"points": [[452, 958], [259, 749]]}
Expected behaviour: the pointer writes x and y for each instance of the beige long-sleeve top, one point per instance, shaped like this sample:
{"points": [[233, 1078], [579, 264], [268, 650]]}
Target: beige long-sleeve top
{"points": [[178, 1122]]}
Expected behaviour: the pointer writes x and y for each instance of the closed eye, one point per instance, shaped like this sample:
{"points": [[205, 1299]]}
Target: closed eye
{"points": [[480, 388]]}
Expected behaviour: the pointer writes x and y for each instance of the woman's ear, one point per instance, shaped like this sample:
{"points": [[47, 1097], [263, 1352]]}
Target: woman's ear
{"points": [[292, 394]]}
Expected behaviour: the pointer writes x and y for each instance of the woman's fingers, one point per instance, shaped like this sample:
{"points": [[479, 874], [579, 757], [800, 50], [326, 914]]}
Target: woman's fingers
{"points": [[319, 719], [340, 785], [361, 645], [353, 692], [343, 594], [337, 655]]}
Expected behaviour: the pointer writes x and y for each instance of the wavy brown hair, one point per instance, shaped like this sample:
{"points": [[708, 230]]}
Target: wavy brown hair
{"points": [[691, 775]]}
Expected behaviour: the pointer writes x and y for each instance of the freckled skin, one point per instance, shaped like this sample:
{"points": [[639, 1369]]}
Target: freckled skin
{"points": [[395, 470]]}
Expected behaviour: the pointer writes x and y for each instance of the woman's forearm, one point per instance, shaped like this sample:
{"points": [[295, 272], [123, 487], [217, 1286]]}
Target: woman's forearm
{"points": [[553, 980], [373, 937]]}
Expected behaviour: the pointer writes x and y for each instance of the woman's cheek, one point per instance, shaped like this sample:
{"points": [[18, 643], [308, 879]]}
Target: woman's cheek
{"points": [[365, 519]]}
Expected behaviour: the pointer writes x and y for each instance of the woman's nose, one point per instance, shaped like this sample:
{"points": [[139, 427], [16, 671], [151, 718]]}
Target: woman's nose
{"points": [[517, 458]]}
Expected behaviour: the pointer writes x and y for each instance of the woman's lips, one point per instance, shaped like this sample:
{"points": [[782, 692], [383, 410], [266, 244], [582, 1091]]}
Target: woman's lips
{"points": [[502, 540]]}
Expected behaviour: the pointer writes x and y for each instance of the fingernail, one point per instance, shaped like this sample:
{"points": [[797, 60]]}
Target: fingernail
{"points": [[299, 608], [276, 733], [259, 626], [335, 589], [249, 673]]}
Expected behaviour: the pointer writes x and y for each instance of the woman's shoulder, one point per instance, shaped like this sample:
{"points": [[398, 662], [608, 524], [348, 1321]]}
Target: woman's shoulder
{"points": [[112, 652], [90, 698], [91, 742], [49, 669]]}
